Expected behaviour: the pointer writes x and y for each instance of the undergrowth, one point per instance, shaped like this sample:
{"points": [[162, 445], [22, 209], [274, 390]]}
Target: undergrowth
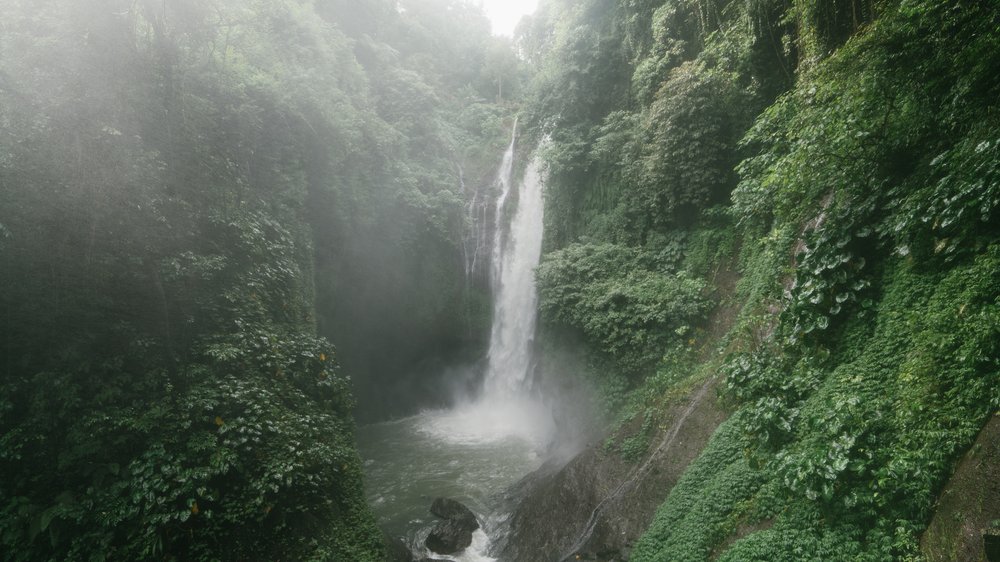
{"points": [[868, 349]]}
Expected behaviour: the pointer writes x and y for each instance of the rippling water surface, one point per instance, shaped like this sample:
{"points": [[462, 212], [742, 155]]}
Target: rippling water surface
{"points": [[471, 454]]}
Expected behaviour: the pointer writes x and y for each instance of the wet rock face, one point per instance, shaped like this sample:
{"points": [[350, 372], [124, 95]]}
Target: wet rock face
{"points": [[596, 505], [967, 519], [455, 532], [992, 545], [452, 510], [449, 537]]}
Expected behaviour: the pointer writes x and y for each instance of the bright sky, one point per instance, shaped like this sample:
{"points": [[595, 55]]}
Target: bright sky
{"points": [[506, 13]]}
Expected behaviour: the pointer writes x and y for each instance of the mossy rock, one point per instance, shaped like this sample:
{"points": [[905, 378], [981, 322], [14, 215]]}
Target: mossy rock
{"points": [[968, 511]]}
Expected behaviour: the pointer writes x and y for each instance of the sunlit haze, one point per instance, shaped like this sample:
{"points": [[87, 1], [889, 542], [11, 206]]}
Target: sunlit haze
{"points": [[504, 14]]}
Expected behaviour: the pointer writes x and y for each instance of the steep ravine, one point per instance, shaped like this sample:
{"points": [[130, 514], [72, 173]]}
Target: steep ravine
{"points": [[597, 505]]}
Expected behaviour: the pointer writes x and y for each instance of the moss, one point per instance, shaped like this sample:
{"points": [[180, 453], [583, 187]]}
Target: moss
{"points": [[695, 516]]}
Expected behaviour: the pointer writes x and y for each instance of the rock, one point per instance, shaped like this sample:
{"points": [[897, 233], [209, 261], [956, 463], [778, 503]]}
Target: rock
{"points": [[449, 537], [597, 504], [450, 509], [455, 532], [967, 514], [992, 545]]}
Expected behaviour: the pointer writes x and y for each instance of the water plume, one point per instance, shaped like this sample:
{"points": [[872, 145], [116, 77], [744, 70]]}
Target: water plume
{"points": [[506, 406]]}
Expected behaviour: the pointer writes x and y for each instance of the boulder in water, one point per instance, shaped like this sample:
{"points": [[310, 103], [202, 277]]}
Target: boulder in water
{"points": [[455, 532], [447, 508], [449, 537]]}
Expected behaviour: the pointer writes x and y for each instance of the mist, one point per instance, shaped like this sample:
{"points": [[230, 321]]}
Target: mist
{"points": [[228, 231], [409, 280]]}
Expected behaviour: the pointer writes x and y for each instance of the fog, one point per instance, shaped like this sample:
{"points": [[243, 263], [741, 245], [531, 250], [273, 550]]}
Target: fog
{"points": [[228, 230]]}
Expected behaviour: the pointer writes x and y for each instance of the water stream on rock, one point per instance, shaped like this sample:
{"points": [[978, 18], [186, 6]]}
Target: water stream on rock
{"points": [[480, 447]]}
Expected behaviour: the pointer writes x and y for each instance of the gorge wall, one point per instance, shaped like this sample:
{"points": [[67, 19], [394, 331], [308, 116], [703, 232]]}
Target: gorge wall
{"points": [[839, 158]]}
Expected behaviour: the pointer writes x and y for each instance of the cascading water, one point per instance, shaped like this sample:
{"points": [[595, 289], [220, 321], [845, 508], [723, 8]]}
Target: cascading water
{"points": [[505, 407], [477, 246], [515, 299], [478, 448], [504, 180]]}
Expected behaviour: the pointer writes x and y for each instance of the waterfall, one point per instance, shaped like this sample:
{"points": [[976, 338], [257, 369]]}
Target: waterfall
{"points": [[505, 408], [484, 442], [504, 179], [513, 256], [476, 243], [505, 417], [515, 299]]}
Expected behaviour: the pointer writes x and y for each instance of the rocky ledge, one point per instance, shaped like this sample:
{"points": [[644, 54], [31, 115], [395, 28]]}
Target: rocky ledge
{"points": [[596, 505]]}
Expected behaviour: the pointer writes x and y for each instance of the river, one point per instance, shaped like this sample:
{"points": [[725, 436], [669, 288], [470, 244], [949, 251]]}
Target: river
{"points": [[471, 453]]}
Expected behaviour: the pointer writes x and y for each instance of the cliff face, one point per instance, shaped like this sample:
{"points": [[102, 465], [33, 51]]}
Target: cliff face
{"points": [[598, 504], [966, 523], [844, 156]]}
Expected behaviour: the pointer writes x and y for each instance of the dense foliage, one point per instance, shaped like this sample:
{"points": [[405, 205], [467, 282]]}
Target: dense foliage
{"points": [[194, 194], [188, 190], [627, 311], [853, 146]]}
